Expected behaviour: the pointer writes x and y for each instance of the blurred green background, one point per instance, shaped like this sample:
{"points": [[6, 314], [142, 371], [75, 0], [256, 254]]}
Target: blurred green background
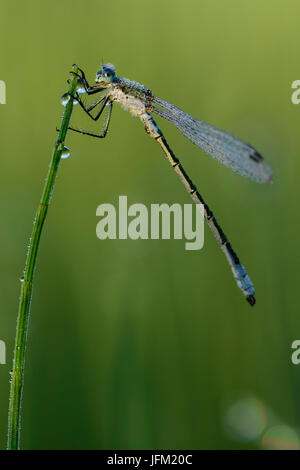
{"points": [[141, 344]]}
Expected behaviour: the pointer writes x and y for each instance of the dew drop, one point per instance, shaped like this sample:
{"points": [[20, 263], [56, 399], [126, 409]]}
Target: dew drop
{"points": [[22, 279], [80, 87], [65, 153], [64, 99]]}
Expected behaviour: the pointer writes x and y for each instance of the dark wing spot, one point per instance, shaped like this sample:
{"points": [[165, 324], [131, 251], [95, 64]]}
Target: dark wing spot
{"points": [[256, 156]]}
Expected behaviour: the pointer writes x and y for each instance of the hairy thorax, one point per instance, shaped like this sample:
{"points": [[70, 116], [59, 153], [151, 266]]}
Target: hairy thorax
{"points": [[131, 95], [128, 102]]}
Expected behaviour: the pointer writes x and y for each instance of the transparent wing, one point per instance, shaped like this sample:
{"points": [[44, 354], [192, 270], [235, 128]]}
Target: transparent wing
{"points": [[227, 149]]}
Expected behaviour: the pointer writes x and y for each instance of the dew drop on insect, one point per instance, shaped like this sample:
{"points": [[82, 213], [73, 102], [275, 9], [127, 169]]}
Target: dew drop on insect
{"points": [[79, 86], [64, 99], [65, 153]]}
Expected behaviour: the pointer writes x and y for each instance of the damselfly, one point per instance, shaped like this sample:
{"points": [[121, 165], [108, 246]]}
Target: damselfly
{"points": [[225, 148]]}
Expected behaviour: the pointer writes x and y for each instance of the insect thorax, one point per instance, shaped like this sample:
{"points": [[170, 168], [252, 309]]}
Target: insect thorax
{"points": [[131, 95]]}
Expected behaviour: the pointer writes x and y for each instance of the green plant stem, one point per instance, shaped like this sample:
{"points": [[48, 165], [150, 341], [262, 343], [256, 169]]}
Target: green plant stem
{"points": [[17, 373]]}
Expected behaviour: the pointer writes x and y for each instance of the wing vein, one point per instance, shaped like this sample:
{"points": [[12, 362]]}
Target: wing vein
{"points": [[224, 147]]}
